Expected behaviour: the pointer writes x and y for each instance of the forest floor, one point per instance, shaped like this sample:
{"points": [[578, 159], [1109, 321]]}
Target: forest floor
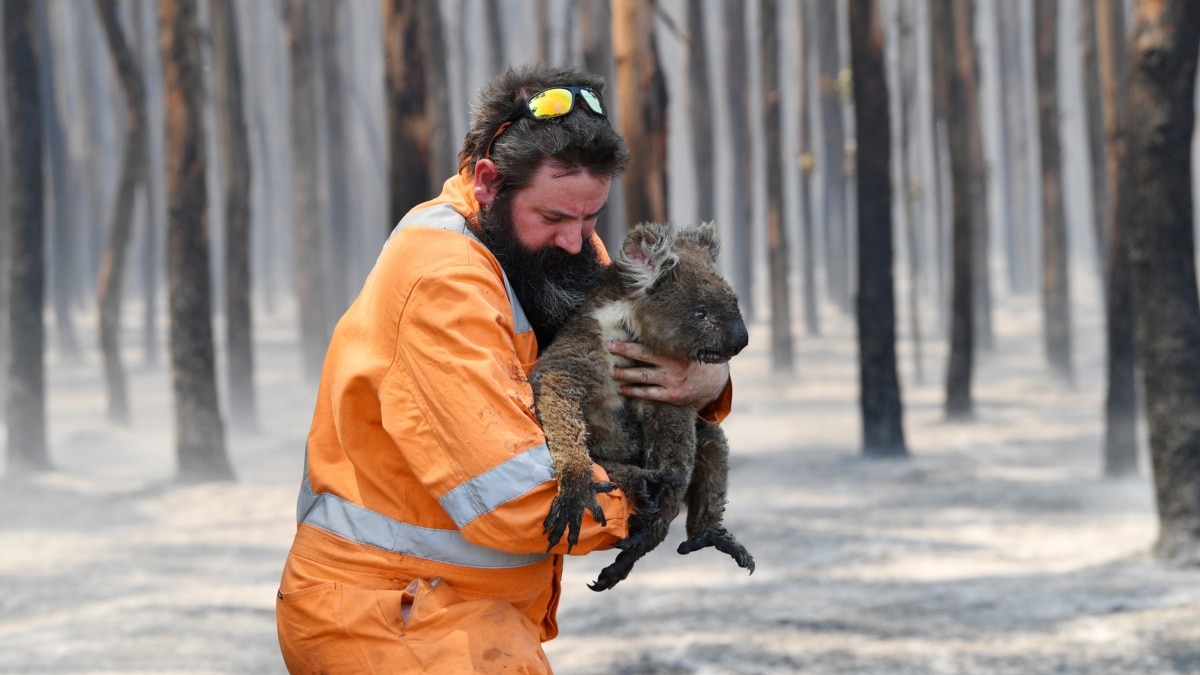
{"points": [[996, 547]]}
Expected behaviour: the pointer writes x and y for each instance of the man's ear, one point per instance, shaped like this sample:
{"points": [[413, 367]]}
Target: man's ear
{"points": [[487, 181]]}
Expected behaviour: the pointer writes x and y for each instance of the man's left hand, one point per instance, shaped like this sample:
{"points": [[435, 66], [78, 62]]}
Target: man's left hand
{"points": [[660, 378]]}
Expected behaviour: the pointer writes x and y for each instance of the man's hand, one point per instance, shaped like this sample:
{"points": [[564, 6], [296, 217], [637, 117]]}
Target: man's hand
{"points": [[682, 383]]}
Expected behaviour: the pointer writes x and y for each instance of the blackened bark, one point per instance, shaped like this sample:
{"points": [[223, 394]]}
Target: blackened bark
{"points": [[1056, 295], [199, 431], [26, 412], [782, 356], [808, 262], [133, 166], [966, 56], [1093, 112], [699, 93], [949, 71], [1120, 404], [642, 110], [235, 147], [409, 127], [309, 250], [1162, 77], [737, 101], [907, 109], [595, 37], [338, 176], [882, 409]]}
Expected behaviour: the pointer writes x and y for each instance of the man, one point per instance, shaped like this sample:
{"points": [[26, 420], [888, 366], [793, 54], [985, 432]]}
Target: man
{"points": [[420, 542]]}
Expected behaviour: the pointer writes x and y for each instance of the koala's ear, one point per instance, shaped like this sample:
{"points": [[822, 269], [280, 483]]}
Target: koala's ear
{"points": [[706, 236], [648, 251]]}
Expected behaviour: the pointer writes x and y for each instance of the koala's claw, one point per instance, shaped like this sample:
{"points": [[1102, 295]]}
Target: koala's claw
{"points": [[723, 541], [653, 489], [566, 512]]}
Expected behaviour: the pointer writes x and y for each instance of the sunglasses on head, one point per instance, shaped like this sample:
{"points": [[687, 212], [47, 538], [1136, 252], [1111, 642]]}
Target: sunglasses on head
{"points": [[550, 103]]}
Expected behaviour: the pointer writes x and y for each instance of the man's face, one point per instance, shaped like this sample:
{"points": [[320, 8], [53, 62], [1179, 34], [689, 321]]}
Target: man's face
{"points": [[540, 236]]}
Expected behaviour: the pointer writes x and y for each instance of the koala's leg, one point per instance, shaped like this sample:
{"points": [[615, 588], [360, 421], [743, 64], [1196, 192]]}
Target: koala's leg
{"points": [[670, 443], [706, 497], [560, 402]]}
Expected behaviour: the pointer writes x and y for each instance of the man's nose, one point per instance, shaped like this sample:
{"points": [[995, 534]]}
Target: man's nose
{"points": [[570, 239]]}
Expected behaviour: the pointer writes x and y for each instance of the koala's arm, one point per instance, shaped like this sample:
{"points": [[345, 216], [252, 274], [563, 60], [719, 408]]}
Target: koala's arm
{"points": [[478, 448]]}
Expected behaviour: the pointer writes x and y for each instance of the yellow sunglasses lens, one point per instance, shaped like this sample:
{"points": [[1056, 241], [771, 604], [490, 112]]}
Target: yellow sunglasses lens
{"points": [[552, 103]]}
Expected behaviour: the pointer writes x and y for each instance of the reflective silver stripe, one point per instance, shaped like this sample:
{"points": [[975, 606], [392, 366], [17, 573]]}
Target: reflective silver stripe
{"points": [[351, 521], [499, 485], [444, 217]]}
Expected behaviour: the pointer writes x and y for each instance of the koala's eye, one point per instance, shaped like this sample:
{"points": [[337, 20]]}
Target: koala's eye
{"points": [[701, 314]]}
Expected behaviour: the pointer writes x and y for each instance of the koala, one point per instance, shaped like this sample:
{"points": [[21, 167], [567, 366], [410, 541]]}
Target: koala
{"points": [[663, 290]]}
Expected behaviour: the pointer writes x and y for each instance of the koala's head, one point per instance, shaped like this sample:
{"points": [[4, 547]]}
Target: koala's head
{"points": [[681, 305]]}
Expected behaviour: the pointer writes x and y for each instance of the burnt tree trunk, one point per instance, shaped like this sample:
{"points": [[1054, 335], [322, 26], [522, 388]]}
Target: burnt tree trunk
{"points": [[737, 101], [409, 125], [133, 166], [235, 148], [882, 409], [699, 93], [595, 37], [906, 172], [1094, 106], [950, 71], [1120, 404], [642, 110], [1056, 295], [26, 411], [782, 357], [1162, 257], [808, 262], [966, 56], [311, 270], [199, 432]]}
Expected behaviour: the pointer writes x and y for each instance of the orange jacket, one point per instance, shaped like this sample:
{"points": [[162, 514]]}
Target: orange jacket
{"points": [[424, 441]]}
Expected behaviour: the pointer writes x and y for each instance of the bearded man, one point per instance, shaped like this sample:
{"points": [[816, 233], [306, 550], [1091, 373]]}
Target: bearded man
{"points": [[420, 542]]}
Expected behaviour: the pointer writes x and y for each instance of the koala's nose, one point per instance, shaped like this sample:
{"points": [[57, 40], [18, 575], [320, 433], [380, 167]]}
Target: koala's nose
{"points": [[739, 337]]}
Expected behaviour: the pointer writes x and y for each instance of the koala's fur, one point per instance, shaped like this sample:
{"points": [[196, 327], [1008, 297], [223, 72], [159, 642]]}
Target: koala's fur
{"points": [[664, 291]]}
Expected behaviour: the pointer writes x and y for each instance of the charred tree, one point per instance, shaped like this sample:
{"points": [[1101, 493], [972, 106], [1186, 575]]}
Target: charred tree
{"points": [[882, 409], [966, 57], [641, 110], [199, 431], [1093, 107], [1120, 403], [595, 37], [740, 243], [411, 125], [699, 93], [337, 177], [311, 273], [5, 237], [949, 70], [1162, 257], [26, 411], [133, 167], [1056, 307], [235, 150], [907, 170], [808, 261], [155, 189], [782, 356]]}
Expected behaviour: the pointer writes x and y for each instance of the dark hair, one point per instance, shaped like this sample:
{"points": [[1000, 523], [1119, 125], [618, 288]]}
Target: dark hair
{"points": [[579, 139]]}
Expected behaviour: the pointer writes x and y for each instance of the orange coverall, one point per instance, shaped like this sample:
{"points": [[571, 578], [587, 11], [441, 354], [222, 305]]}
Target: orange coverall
{"points": [[419, 543]]}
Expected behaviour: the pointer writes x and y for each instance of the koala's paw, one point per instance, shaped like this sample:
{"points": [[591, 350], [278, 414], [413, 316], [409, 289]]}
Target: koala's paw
{"points": [[723, 541], [566, 512], [653, 490]]}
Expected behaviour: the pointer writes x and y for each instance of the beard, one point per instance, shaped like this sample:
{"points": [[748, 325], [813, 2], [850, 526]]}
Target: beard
{"points": [[550, 283]]}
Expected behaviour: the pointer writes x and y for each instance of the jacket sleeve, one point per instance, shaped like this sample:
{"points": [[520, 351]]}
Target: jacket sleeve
{"points": [[457, 403]]}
